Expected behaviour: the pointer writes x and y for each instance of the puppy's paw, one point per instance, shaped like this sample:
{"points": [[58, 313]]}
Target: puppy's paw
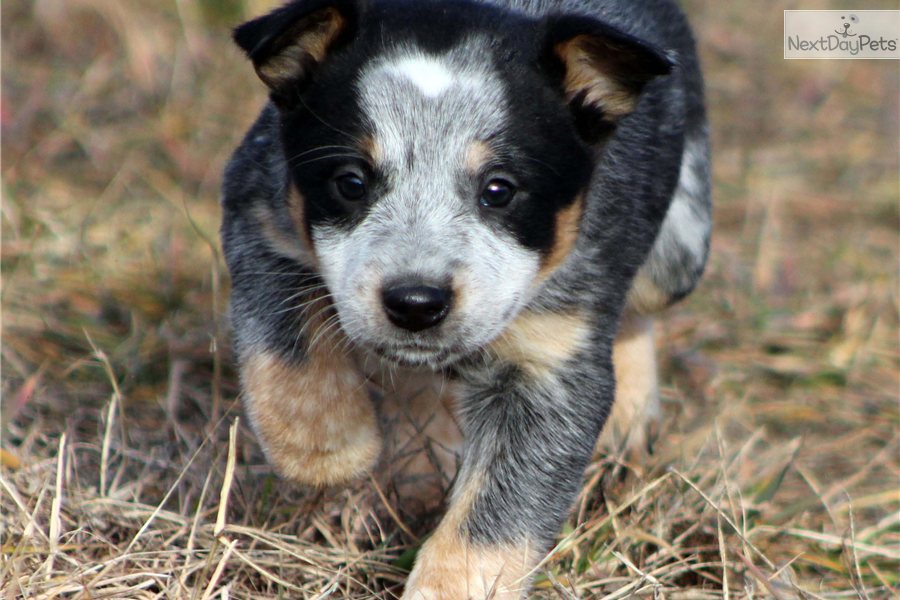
{"points": [[314, 419], [636, 409], [449, 568]]}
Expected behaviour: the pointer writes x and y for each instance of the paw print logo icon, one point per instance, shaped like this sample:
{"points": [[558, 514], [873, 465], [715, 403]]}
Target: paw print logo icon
{"points": [[847, 21]]}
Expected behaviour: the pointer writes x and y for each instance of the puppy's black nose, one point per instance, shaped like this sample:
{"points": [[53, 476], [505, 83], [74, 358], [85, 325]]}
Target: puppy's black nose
{"points": [[416, 307]]}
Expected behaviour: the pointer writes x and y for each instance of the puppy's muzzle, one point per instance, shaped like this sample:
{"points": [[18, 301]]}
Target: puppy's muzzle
{"points": [[415, 306]]}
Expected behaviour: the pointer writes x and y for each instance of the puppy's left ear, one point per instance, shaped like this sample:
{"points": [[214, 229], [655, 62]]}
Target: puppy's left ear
{"points": [[288, 44], [604, 69]]}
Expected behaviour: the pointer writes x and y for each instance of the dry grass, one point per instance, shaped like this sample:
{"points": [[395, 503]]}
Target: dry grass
{"points": [[776, 473]]}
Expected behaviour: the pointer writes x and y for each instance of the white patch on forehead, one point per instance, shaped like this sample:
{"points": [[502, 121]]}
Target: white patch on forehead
{"points": [[430, 75], [430, 107]]}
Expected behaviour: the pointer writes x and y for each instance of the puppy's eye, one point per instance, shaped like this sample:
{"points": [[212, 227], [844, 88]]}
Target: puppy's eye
{"points": [[350, 185], [497, 193]]}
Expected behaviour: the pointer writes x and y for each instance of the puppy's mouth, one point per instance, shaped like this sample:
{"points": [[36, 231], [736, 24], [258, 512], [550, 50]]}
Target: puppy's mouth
{"points": [[420, 355]]}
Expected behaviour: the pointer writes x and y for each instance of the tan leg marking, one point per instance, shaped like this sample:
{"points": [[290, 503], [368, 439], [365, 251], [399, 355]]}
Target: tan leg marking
{"points": [[315, 420], [637, 393], [449, 567], [568, 223], [296, 247], [645, 297], [297, 209], [541, 342]]}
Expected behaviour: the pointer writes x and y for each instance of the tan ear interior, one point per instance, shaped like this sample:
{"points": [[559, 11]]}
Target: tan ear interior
{"points": [[304, 46], [592, 73]]}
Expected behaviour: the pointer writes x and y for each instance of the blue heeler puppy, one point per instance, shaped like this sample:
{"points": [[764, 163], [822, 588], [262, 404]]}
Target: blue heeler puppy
{"points": [[449, 230]]}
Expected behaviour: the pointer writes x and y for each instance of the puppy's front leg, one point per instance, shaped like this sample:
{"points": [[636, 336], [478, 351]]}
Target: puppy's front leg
{"points": [[307, 401], [313, 416], [530, 420]]}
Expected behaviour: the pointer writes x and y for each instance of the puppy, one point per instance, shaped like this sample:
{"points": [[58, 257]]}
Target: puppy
{"points": [[455, 219]]}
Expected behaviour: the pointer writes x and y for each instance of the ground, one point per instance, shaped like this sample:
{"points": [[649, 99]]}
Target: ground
{"points": [[775, 472]]}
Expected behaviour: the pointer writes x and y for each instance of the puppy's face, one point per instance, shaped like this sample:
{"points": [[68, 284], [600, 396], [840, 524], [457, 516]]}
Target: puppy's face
{"points": [[439, 181], [431, 208]]}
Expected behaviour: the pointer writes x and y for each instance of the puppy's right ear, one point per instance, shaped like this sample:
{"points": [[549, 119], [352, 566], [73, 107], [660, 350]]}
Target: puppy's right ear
{"points": [[288, 44]]}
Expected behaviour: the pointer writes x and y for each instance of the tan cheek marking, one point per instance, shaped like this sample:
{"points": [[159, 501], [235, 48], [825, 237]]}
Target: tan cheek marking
{"points": [[450, 567], [298, 247], [568, 223], [586, 73], [297, 210], [541, 343], [478, 154], [314, 35], [315, 419]]}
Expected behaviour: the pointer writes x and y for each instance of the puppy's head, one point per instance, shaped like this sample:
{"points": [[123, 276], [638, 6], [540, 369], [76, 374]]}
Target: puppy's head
{"points": [[439, 154]]}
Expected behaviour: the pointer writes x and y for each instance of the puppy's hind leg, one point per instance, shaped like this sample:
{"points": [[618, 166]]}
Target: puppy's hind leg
{"points": [[636, 407], [669, 273]]}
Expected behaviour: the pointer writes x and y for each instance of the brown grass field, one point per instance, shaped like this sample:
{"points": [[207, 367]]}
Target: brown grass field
{"points": [[777, 469]]}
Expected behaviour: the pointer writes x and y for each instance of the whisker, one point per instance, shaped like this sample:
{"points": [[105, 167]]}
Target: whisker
{"points": [[297, 295], [546, 165], [329, 322], [340, 345], [323, 121], [390, 372], [311, 319], [322, 148], [318, 158], [346, 346], [299, 307], [287, 272], [308, 321]]}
